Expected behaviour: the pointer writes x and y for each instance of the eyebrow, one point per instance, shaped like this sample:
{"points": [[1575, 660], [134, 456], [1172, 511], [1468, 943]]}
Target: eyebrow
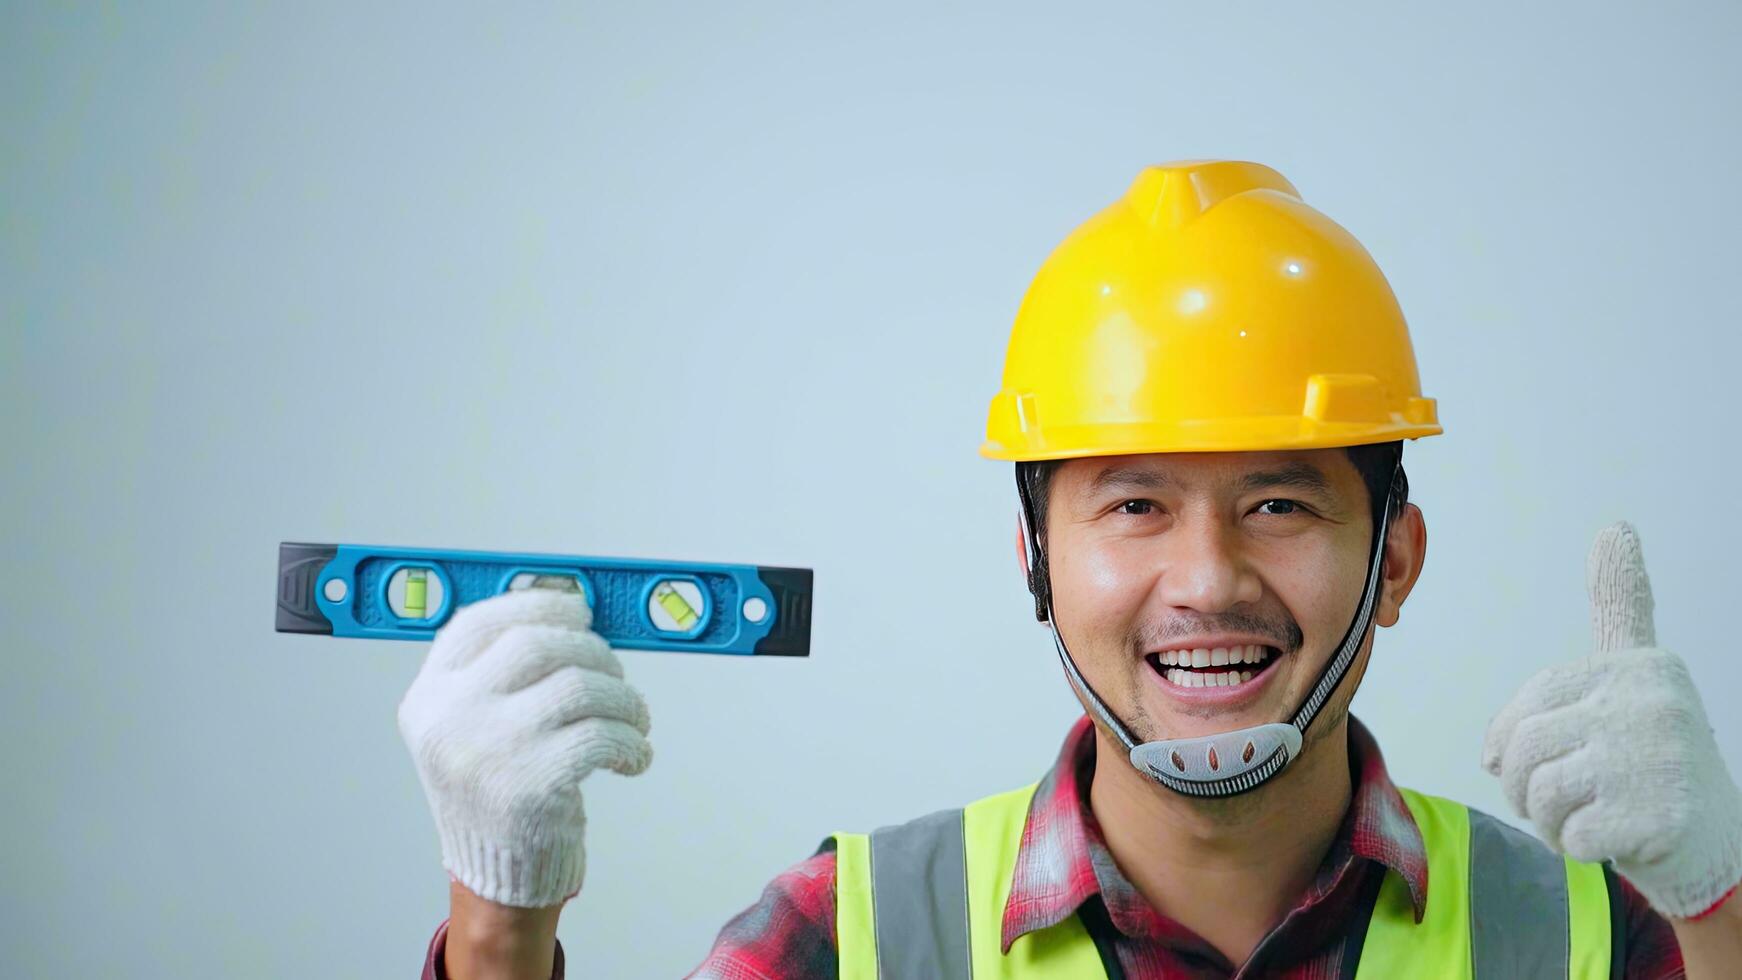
{"points": [[1125, 478], [1297, 475]]}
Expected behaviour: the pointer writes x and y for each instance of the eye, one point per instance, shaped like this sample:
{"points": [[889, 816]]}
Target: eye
{"points": [[1290, 507], [1136, 507]]}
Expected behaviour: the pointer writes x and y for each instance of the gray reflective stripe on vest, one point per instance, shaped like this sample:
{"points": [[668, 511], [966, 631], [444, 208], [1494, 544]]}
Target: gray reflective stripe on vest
{"points": [[919, 889], [1518, 901]]}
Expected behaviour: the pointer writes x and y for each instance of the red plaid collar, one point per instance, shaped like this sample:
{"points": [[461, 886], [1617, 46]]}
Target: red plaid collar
{"points": [[1064, 860]]}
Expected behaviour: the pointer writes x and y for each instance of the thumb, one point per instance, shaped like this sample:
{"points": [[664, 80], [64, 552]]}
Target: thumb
{"points": [[1621, 605]]}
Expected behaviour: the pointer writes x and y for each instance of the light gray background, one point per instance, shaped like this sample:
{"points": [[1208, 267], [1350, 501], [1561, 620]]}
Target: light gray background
{"points": [[682, 281]]}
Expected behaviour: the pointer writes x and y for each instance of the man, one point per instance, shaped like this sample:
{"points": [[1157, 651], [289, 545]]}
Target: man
{"points": [[1205, 396]]}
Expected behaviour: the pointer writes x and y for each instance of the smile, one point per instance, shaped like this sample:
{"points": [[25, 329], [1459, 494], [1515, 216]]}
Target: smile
{"points": [[1212, 666]]}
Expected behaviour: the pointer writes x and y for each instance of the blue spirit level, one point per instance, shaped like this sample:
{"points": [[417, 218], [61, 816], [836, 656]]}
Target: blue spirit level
{"points": [[406, 593]]}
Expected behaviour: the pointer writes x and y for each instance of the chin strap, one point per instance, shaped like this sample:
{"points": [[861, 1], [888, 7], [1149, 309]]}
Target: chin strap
{"points": [[1233, 762]]}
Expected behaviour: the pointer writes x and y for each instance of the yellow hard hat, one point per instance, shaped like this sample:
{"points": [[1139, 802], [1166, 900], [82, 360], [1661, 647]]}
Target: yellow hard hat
{"points": [[1209, 309]]}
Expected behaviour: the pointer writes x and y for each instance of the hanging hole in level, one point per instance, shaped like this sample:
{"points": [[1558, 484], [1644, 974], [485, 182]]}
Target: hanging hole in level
{"points": [[755, 609]]}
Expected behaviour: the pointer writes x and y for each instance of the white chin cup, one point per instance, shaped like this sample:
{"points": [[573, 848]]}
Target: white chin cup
{"points": [[1222, 764]]}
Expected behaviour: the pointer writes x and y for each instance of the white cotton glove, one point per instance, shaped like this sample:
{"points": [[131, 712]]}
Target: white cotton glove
{"points": [[516, 703], [1612, 757]]}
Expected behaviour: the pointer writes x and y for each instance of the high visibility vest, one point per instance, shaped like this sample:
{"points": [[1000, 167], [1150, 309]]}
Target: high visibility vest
{"points": [[926, 900]]}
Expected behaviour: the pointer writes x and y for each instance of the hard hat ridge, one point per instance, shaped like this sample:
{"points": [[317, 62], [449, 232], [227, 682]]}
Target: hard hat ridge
{"points": [[1171, 196]]}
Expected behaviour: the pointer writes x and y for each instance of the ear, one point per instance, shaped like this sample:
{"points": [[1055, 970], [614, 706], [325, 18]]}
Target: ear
{"points": [[1405, 553], [1021, 549]]}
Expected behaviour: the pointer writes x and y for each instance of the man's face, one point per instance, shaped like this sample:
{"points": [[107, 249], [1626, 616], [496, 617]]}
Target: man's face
{"points": [[1250, 556]]}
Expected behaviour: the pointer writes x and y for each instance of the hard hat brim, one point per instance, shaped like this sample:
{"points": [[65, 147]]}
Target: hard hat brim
{"points": [[1245, 435]]}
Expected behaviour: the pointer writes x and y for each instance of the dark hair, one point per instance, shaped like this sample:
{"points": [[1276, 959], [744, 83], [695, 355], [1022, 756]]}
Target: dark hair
{"points": [[1375, 463]]}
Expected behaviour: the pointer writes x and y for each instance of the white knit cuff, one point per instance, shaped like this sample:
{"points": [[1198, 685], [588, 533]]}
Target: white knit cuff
{"points": [[1691, 891], [532, 876]]}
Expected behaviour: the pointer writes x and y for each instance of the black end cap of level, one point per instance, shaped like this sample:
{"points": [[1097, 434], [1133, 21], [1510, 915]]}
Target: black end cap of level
{"points": [[791, 636], [299, 568]]}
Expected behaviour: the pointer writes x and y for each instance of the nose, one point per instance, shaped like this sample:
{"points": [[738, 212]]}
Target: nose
{"points": [[1204, 569]]}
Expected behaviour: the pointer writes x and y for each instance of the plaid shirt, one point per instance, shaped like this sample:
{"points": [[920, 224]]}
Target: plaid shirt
{"points": [[1064, 864]]}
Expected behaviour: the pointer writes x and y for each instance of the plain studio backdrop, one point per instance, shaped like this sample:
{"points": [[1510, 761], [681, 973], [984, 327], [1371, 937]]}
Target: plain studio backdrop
{"points": [[733, 283]]}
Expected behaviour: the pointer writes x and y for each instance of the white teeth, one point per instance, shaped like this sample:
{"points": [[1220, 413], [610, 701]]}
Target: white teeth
{"points": [[1186, 678], [1179, 660], [1215, 656]]}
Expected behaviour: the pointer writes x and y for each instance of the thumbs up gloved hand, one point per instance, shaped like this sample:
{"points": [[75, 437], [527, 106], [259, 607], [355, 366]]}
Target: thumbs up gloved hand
{"points": [[516, 703], [1612, 756]]}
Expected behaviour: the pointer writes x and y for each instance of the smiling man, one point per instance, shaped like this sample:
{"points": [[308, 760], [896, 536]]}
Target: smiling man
{"points": [[1205, 398]]}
